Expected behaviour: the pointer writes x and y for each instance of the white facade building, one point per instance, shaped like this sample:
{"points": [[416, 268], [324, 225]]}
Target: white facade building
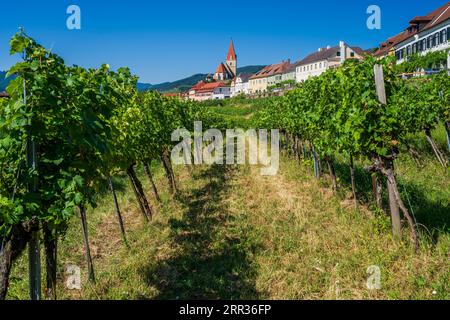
{"points": [[436, 38], [223, 92], [325, 58], [424, 34], [240, 84]]}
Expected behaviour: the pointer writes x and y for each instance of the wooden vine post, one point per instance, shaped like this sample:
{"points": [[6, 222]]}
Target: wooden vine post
{"points": [[34, 256], [148, 171], [117, 209], [447, 131], [87, 248], [144, 205], [316, 162], [394, 208], [353, 181], [50, 246]]}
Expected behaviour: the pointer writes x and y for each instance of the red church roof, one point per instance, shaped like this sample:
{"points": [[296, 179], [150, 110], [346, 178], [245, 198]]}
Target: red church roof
{"points": [[221, 68], [198, 86], [231, 54], [210, 87]]}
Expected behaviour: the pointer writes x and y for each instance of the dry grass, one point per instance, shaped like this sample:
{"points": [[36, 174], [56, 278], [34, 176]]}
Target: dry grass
{"points": [[234, 234], [316, 248]]}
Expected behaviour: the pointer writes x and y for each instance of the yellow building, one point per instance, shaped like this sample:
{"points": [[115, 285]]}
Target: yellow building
{"points": [[267, 77]]}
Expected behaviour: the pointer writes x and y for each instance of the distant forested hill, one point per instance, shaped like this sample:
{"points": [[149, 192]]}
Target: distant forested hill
{"points": [[4, 81]]}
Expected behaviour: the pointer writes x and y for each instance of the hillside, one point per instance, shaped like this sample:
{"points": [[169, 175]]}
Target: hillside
{"points": [[3, 81], [186, 83]]}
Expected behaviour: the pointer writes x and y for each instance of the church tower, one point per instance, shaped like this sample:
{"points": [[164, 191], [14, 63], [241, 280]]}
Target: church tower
{"points": [[232, 59]]}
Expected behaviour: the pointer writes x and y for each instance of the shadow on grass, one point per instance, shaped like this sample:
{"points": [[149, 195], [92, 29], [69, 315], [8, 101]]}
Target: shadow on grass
{"points": [[431, 210], [120, 182], [212, 258]]}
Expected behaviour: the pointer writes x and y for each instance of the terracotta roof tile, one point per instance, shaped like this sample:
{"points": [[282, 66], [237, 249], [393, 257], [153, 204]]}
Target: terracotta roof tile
{"points": [[198, 85], [272, 70], [438, 16], [209, 87], [429, 21]]}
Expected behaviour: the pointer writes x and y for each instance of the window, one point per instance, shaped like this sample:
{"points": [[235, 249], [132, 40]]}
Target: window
{"points": [[441, 37], [436, 40], [408, 51], [448, 34], [338, 54], [444, 36], [352, 54], [430, 42]]}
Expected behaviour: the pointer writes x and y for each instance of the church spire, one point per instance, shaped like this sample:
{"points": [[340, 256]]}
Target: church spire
{"points": [[231, 56]]}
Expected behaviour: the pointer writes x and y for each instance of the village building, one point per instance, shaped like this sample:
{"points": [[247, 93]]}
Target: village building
{"points": [[291, 73], [424, 34], [325, 58], [268, 77], [193, 91], [210, 91], [222, 91], [240, 84]]}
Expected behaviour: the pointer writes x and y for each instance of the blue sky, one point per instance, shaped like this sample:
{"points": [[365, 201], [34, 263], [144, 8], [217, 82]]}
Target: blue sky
{"points": [[168, 40]]}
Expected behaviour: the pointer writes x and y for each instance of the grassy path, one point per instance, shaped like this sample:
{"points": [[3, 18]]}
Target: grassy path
{"points": [[234, 234]]}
